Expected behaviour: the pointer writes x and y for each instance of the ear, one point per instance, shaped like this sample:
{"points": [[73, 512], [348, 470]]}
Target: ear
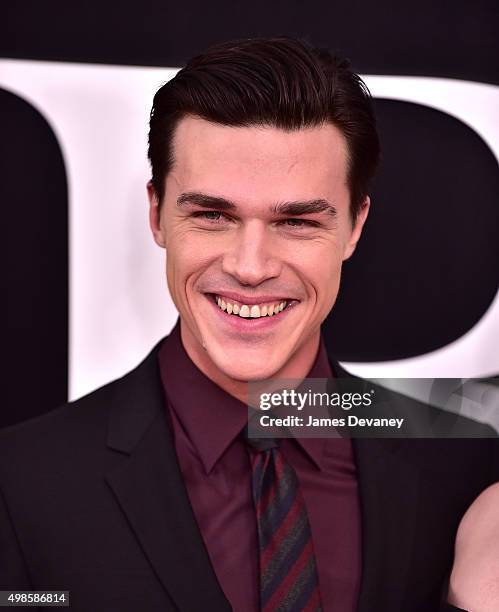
{"points": [[357, 229], [155, 216]]}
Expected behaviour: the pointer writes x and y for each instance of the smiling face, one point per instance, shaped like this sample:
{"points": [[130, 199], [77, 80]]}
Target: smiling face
{"points": [[254, 218]]}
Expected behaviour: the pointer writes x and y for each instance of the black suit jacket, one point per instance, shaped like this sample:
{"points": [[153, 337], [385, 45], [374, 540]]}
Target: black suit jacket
{"points": [[92, 501]]}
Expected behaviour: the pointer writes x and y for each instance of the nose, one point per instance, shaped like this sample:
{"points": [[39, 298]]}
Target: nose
{"points": [[252, 258]]}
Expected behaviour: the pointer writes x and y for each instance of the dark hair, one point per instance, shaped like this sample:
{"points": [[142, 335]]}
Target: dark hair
{"points": [[278, 82]]}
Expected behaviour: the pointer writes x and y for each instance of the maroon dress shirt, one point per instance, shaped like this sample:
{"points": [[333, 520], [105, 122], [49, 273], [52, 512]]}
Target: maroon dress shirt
{"points": [[207, 423]]}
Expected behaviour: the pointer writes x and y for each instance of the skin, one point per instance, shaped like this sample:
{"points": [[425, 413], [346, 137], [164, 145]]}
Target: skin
{"points": [[252, 250], [474, 582]]}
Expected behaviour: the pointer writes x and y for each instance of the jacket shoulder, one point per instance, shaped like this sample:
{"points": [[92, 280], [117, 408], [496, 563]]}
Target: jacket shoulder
{"points": [[69, 424], [73, 427]]}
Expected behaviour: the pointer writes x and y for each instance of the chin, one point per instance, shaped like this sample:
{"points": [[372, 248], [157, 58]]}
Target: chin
{"points": [[244, 370], [249, 374]]}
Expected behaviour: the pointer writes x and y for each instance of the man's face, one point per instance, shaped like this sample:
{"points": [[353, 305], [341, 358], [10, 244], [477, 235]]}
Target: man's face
{"points": [[256, 217]]}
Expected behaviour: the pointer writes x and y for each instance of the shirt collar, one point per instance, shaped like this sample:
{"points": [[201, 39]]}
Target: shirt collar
{"points": [[314, 447], [211, 418]]}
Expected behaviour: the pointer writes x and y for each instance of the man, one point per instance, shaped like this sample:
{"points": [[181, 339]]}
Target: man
{"points": [[145, 495]]}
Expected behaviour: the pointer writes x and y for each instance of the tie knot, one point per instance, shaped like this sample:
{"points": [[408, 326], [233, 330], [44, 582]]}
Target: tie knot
{"points": [[261, 444]]}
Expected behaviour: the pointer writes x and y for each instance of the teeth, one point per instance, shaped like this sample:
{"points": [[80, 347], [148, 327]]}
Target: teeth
{"points": [[245, 311], [254, 311]]}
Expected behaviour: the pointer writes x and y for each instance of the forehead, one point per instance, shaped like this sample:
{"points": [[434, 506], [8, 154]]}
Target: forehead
{"points": [[259, 161]]}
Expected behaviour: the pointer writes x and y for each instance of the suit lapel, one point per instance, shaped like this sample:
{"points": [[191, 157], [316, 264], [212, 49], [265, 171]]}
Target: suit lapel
{"points": [[149, 488], [388, 489]]}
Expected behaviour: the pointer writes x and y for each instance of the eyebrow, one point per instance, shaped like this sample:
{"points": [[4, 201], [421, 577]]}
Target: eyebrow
{"points": [[295, 208]]}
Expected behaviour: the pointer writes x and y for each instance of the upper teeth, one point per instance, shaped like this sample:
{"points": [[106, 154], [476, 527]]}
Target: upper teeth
{"points": [[253, 311]]}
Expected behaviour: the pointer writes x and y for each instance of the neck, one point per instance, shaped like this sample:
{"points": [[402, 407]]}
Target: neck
{"points": [[297, 367]]}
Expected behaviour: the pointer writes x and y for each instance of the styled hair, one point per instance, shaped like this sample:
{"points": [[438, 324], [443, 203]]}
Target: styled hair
{"points": [[275, 82]]}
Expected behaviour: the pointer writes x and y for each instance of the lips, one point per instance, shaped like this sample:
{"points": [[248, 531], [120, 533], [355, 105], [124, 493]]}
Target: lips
{"points": [[240, 299], [244, 316]]}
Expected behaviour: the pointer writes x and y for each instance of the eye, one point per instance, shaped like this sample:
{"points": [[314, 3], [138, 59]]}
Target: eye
{"points": [[214, 216], [299, 223]]}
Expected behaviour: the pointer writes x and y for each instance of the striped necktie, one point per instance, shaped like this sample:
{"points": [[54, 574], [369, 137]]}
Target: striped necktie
{"points": [[288, 573]]}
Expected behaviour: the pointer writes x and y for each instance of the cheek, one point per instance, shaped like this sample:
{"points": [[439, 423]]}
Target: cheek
{"points": [[321, 266], [323, 277], [186, 259], [328, 283], [178, 265]]}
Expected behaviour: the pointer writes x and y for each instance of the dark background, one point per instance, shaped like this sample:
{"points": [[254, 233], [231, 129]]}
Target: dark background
{"points": [[453, 39], [435, 200]]}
